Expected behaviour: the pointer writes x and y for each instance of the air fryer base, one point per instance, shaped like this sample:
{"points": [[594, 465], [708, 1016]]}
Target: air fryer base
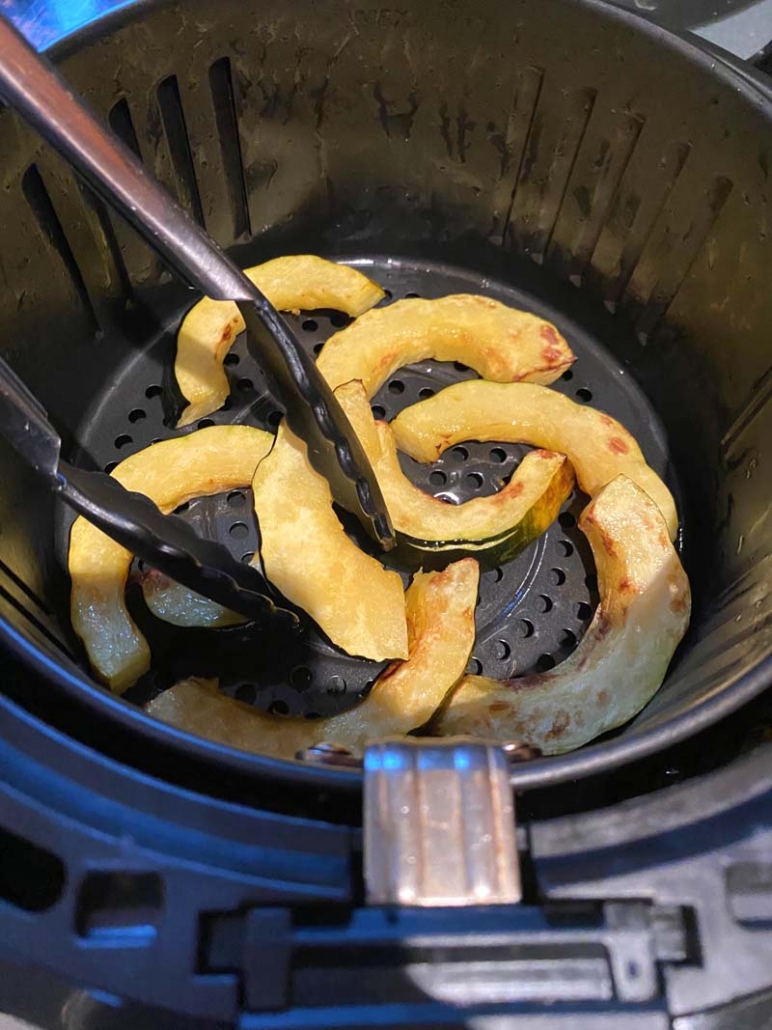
{"points": [[148, 904]]}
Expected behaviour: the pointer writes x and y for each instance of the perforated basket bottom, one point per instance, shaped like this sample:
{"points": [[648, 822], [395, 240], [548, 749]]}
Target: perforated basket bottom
{"points": [[531, 612]]}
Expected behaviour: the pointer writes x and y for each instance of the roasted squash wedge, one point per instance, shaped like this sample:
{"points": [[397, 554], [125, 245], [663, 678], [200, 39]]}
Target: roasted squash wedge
{"points": [[624, 655], [171, 472], [597, 445], [301, 282], [441, 628], [430, 532], [440, 618], [179, 605], [308, 556], [501, 343]]}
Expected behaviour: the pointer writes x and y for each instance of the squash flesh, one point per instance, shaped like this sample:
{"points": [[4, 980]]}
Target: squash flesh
{"points": [[496, 528], [441, 629], [440, 616], [307, 556], [500, 343], [178, 605], [171, 472], [297, 282], [622, 659], [598, 447]]}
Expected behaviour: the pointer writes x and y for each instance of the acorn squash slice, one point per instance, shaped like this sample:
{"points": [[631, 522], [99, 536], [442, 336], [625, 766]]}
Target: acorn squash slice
{"points": [[430, 532], [300, 282], [310, 559], [440, 618], [501, 343], [624, 655], [177, 604], [169, 473], [598, 447]]}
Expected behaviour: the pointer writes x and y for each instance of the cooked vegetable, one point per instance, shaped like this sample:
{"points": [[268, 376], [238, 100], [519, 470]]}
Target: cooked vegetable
{"points": [[175, 603], [500, 343], [598, 447], [624, 655], [308, 556], [171, 472], [431, 532], [440, 619], [440, 616], [301, 282], [196, 706]]}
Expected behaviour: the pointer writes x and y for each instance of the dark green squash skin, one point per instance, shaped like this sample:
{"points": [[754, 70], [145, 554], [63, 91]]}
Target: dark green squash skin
{"points": [[412, 554]]}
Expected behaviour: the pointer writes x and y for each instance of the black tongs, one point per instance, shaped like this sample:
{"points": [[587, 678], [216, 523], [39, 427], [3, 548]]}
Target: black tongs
{"points": [[30, 84]]}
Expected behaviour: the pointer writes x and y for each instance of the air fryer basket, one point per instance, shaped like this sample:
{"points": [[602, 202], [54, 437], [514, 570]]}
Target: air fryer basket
{"points": [[562, 157]]}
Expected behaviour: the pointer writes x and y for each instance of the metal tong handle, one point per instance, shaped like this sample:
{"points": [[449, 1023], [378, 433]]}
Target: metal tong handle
{"points": [[31, 85]]}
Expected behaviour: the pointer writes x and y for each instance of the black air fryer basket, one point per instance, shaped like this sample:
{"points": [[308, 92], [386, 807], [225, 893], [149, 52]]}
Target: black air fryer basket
{"points": [[561, 156]]}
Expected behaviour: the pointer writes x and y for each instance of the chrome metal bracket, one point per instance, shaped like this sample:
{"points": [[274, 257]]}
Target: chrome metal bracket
{"points": [[439, 824]]}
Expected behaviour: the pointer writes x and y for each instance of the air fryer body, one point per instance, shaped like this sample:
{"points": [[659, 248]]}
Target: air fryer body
{"points": [[565, 157]]}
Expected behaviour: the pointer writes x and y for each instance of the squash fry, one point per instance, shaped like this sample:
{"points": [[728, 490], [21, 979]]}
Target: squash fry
{"points": [[300, 282], [597, 445], [177, 604], [310, 559], [502, 344], [431, 532], [624, 655]]}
